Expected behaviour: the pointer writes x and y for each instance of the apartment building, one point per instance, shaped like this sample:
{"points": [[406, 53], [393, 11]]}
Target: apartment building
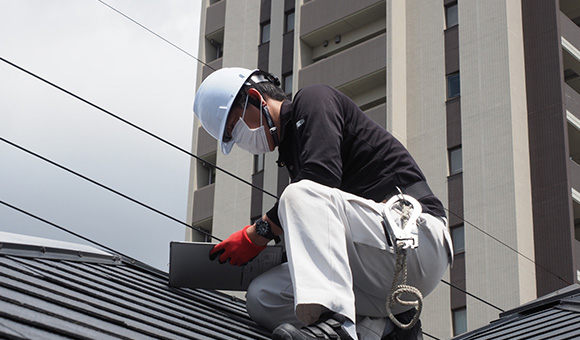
{"points": [[485, 95]]}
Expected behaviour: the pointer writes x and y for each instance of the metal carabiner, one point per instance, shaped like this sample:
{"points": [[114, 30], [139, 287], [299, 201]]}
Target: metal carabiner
{"points": [[401, 232]]}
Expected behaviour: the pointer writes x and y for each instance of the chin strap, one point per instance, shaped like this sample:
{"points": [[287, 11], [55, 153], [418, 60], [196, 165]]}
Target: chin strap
{"points": [[262, 77], [266, 113]]}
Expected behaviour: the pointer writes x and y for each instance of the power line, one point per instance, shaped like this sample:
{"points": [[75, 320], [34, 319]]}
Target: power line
{"points": [[136, 126], [155, 34], [109, 188], [472, 295], [67, 231], [507, 246]]}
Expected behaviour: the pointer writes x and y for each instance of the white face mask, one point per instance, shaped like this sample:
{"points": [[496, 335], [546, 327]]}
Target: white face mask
{"points": [[251, 140]]}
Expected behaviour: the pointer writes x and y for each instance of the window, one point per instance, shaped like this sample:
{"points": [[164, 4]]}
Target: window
{"points": [[455, 161], [453, 88], [215, 50], [458, 239], [265, 35], [459, 317], [258, 163], [287, 83], [206, 171], [451, 17], [289, 18]]}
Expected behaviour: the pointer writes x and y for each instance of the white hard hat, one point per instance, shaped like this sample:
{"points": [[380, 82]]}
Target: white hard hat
{"points": [[214, 99]]}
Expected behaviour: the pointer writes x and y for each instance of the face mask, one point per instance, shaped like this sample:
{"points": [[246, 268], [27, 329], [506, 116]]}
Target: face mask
{"points": [[251, 140]]}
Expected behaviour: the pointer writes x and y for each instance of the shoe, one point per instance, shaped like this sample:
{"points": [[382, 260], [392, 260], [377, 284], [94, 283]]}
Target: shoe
{"points": [[329, 326]]}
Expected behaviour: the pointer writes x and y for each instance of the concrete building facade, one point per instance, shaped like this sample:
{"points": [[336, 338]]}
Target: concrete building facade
{"points": [[485, 95]]}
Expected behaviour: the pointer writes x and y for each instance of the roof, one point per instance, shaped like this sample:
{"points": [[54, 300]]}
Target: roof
{"points": [[55, 290], [554, 316]]}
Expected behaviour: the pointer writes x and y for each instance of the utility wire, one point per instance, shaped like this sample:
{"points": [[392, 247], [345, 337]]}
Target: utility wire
{"points": [[108, 188], [155, 34], [68, 231], [507, 246], [137, 127], [473, 296]]}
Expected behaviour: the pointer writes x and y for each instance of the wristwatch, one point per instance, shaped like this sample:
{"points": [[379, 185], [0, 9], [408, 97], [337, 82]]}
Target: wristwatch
{"points": [[263, 229]]}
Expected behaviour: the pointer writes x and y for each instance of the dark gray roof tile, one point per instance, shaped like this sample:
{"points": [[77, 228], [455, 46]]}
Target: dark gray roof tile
{"points": [[555, 316], [54, 294]]}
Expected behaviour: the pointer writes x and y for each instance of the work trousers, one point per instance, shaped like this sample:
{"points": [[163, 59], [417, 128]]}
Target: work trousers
{"points": [[339, 260]]}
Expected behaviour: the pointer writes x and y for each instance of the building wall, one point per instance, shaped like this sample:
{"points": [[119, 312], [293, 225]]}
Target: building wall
{"points": [[496, 180], [417, 114]]}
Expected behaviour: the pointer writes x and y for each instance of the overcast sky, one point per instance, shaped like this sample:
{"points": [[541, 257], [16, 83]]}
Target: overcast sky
{"points": [[88, 49]]}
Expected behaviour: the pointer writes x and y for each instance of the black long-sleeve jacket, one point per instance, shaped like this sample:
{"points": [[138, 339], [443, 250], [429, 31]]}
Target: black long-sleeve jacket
{"points": [[326, 138]]}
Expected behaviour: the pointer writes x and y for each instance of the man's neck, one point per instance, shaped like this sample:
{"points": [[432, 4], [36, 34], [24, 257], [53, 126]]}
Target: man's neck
{"points": [[274, 108]]}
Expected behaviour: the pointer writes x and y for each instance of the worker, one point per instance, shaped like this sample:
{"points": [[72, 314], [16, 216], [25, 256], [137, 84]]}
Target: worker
{"points": [[342, 166]]}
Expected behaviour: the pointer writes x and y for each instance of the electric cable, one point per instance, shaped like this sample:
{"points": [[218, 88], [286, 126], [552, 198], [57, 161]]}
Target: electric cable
{"points": [[68, 231], [165, 141], [508, 246], [109, 189], [472, 295], [155, 34]]}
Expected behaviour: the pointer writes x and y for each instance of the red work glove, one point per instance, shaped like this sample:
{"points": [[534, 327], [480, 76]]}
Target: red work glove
{"points": [[237, 248]]}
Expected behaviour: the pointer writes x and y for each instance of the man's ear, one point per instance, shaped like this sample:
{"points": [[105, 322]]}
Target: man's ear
{"points": [[256, 95]]}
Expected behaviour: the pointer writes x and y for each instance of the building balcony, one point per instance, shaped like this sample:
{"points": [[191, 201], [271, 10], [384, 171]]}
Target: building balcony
{"points": [[328, 27], [215, 17], [570, 41], [572, 105], [360, 61], [203, 199]]}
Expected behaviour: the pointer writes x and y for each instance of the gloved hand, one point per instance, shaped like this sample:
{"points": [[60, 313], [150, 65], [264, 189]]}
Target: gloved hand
{"points": [[237, 248]]}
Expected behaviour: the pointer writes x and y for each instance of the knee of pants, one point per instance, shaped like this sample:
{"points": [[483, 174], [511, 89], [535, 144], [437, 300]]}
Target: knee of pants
{"points": [[298, 191], [254, 298], [262, 305], [270, 298], [295, 191]]}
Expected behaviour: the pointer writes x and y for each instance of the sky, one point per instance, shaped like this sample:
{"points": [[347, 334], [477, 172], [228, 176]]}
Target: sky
{"points": [[97, 54]]}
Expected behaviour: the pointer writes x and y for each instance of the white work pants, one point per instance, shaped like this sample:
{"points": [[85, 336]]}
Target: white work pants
{"points": [[339, 260]]}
